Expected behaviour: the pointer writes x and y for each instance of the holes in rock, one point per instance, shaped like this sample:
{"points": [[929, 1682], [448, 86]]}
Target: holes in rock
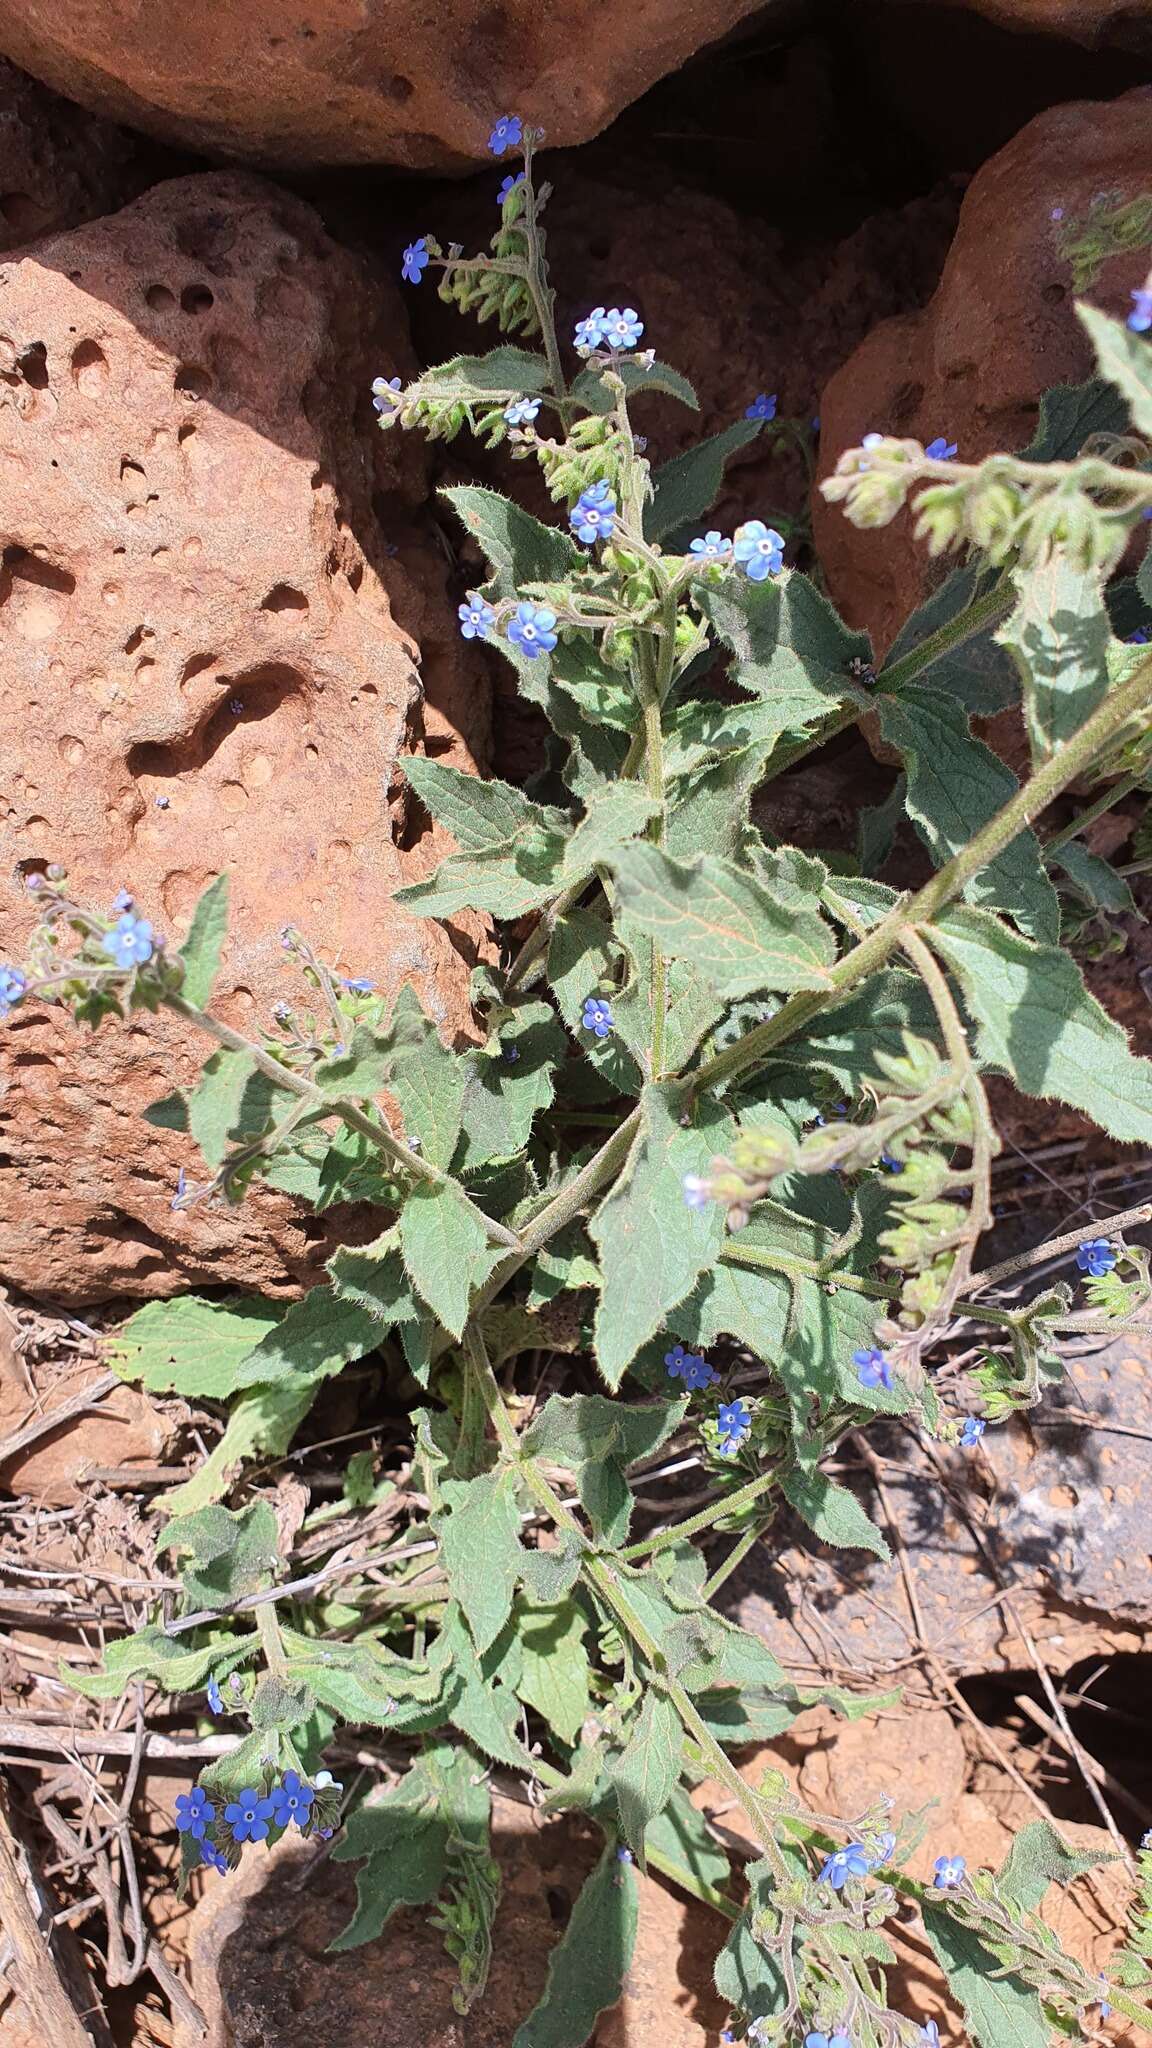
{"points": [[1054, 294], [32, 864], [906, 402], [399, 88], [196, 298], [130, 468], [33, 594], [89, 369], [258, 694], [196, 666], [33, 365], [160, 298], [283, 598], [137, 638], [192, 381], [185, 432], [600, 248]]}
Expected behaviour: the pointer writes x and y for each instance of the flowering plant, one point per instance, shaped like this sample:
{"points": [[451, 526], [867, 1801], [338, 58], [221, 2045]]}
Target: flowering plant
{"points": [[763, 1246]]}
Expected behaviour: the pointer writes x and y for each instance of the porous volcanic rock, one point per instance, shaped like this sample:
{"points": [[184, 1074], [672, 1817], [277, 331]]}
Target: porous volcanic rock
{"points": [[59, 166], [1064, 210], [203, 671]]}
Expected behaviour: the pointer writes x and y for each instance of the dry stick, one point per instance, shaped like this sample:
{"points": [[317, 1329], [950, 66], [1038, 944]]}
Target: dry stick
{"points": [[37, 1977], [1089, 1763], [1126, 1220], [64, 1740], [76, 1404]]}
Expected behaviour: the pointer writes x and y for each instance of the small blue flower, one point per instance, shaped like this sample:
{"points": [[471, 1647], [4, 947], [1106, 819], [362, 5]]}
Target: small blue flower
{"points": [[1139, 638], [521, 411], [593, 516], [214, 1697], [129, 943], [827, 2041], [1096, 1257], [195, 1813], [763, 407], [1057, 213], [384, 391], [358, 984], [1140, 318], [511, 1053], [122, 900], [851, 1861], [930, 2034], [530, 629], [890, 1163], [941, 449], [623, 1855], [873, 1368], [759, 549], [697, 1192], [292, 1801], [597, 1017], [590, 331], [13, 985], [949, 1872], [734, 1421], [622, 327], [214, 1858], [476, 617], [883, 1851], [676, 1360], [815, 423], [248, 1816], [507, 134], [509, 186], [710, 546], [415, 260], [972, 1432]]}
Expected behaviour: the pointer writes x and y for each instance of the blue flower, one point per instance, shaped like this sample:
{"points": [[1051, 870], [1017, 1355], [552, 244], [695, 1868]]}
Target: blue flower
{"points": [[507, 134], [1096, 1257], [1140, 318], [122, 900], [759, 549], [710, 546], [12, 986], [623, 1855], [509, 186], [941, 449], [697, 1192], [763, 407], [214, 1858], [415, 260], [883, 1850], [530, 629], [597, 1017], [129, 943], [292, 1801], [1139, 638], [590, 331], [890, 1163], [690, 1366], [676, 1360], [358, 984], [195, 1813], [248, 1816], [827, 2041], [972, 1432], [622, 327], [384, 391], [930, 2034], [214, 1697], [873, 1369], [511, 1053], [521, 411], [949, 1872], [594, 514], [734, 1421], [852, 1861], [476, 617]]}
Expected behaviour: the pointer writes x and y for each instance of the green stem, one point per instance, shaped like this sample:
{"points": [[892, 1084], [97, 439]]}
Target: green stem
{"points": [[694, 1525], [1115, 795], [975, 618], [542, 295], [736, 1254], [735, 1557], [271, 1641]]}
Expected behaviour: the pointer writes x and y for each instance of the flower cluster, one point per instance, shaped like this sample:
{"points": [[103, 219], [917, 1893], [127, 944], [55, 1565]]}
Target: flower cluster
{"points": [[873, 1368], [593, 516], [288, 1802], [691, 1367], [734, 1421], [614, 327]]}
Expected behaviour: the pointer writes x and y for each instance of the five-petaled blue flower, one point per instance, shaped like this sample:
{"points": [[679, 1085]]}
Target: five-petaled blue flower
{"points": [[949, 1872], [973, 1430], [1140, 318], [415, 260], [509, 185], [734, 1421], [597, 1017], [521, 411], [590, 331], [129, 943], [763, 407], [827, 2041], [530, 629], [941, 449], [622, 327], [930, 2034], [476, 617], [384, 391], [248, 1816], [195, 1813], [623, 1855], [214, 1697], [358, 984], [507, 134], [851, 1861], [697, 1192], [890, 1163], [214, 1858], [759, 549], [710, 546], [690, 1366], [1096, 1257], [292, 1801], [12, 986], [873, 1368], [594, 514]]}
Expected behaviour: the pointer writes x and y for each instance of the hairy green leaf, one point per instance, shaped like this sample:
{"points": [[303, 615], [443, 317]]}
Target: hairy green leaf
{"points": [[503, 884], [597, 1439], [166, 1660], [480, 1549], [587, 1967], [201, 950], [591, 390], [1058, 635], [483, 815], [1001, 2011], [834, 1513], [230, 1554], [684, 488], [555, 1672], [505, 372], [264, 1419], [792, 649], [190, 1346], [646, 1770], [613, 816], [1124, 359], [445, 1250], [519, 548], [744, 936], [977, 672]]}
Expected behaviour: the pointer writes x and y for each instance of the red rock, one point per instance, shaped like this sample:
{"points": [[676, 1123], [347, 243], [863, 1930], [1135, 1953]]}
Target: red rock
{"points": [[204, 670], [58, 165], [1000, 329]]}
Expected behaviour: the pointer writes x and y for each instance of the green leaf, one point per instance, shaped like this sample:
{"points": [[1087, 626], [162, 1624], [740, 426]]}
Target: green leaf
{"points": [[362, 1070], [1096, 880], [231, 1554], [683, 489], [428, 1082], [484, 815], [505, 885], [614, 816], [747, 1975], [653, 1247], [214, 1104], [519, 548], [1070, 414], [480, 1549], [597, 1439], [266, 1419], [507, 1082], [487, 1712], [956, 785], [189, 1346], [555, 1672], [166, 1660], [1039, 1024], [445, 1250], [691, 1004], [742, 935], [832, 1512], [375, 1278], [201, 950], [681, 1846], [318, 1336], [366, 1685], [587, 1967], [591, 390], [584, 959], [977, 672], [1039, 1857], [1000, 2011], [407, 1861], [1059, 636], [1124, 359], [646, 1771], [847, 1041], [504, 373], [793, 650]]}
